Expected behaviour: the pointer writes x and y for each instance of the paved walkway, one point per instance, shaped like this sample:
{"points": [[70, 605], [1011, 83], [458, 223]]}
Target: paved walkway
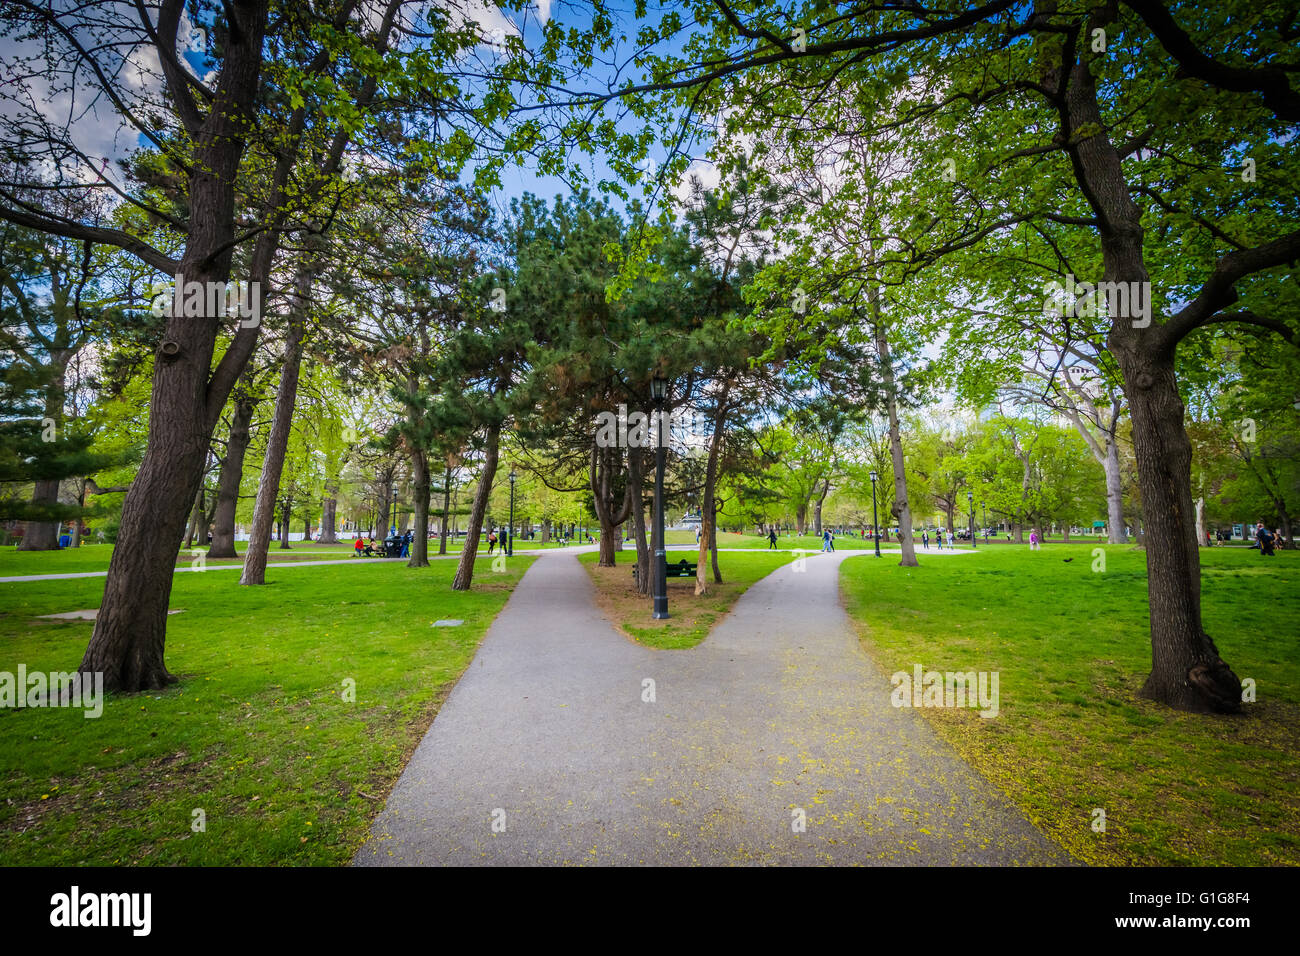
{"points": [[779, 710]]}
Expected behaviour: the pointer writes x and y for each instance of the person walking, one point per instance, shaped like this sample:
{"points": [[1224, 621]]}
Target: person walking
{"points": [[925, 540], [1033, 539], [830, 540], [1265, 539], [938, 538], [771, 539], [492, 542]]}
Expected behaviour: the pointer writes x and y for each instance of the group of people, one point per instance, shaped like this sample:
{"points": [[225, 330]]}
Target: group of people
{"points": [[1265, 539], [939, 535], [394, 546]]}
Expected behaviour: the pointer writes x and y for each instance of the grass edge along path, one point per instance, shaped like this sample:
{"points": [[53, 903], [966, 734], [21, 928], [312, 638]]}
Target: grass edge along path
{"points": [[259, 734], [1072, 736]]}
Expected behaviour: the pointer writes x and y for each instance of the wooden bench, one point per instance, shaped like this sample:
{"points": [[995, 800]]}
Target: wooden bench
{"points": [[682, 569]]}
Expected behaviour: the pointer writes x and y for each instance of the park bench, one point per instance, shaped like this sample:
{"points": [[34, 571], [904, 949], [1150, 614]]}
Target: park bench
{"points": [[682, 569]]}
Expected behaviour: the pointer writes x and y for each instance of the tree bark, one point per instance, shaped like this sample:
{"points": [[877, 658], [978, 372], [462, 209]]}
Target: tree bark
{"points": [[196, 515], [286, 508], [44, 535], [611, 517], [708, 512], [446, 507], [232, 473], [329, 518], [1116, 533], [277, 443], [899, 508], [420, 489], [647, 569], [129, 637], [465, 569], [1186, 670], [817, 508]]}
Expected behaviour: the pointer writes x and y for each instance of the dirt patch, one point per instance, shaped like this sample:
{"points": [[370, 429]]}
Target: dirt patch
{"points": [[621, 603]]}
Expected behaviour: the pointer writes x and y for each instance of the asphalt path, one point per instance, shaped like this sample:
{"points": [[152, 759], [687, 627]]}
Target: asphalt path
{"points": [[772, 742]]}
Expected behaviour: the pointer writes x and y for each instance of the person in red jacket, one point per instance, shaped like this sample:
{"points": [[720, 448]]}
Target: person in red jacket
{"points": [[357, 546]]}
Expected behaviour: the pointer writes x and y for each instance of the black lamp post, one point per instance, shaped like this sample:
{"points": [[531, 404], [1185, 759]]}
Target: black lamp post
{"points": [[659, 392], [875, 528], [970, 498], [510, 532]]}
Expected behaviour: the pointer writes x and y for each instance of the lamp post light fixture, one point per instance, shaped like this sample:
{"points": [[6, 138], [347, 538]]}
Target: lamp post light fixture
{"points": [[659, 392], [875, 528], [510, 532], [970, 498]]}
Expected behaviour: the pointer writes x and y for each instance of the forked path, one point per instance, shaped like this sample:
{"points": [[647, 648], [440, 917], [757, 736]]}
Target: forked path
{"points": [[549, 750]]}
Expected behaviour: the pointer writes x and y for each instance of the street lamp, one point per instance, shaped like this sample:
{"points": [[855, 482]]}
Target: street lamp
{"points": [[970, 498], [659, 392], [875, 529], [510, 533]]}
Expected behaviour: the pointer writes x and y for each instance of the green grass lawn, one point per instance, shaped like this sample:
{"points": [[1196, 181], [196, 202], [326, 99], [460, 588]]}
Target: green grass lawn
{"points": [[1072, 650], [257, 734], [692, 617], [95, 557]]}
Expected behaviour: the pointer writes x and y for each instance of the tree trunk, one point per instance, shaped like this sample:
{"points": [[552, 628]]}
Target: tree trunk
{"points": [[465, 569], [1186, 669], [800, 519], [420, 489], [329, 518], [1286, 542], [708, 511], [713, 550], [900, 507], [196, 515], [1114, 496], [277, 443], [1187, 672], [611, 518], [647, 569], [286, 508], [446, 506], [817, 508], [232, 472], [81, 503], [42, 535], [129, 637]]}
